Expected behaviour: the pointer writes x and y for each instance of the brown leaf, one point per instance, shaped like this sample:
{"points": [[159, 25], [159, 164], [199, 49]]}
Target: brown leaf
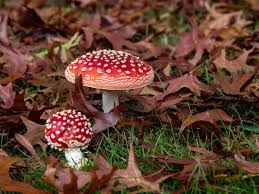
{"points": [[141, 103], [172, 160], [211, 116], [193, 41], [149, 91], [117, 40], [64, 179], [131, 177], [7, 96], [7, 184], [188, 81], [172, 101], [253, 90], [254, 4], [233, 84], [35, 132], [3, 29], [16, 62], [78, 100], [34, 3], [249, 167], [236, 65], [85, 3], [218, 21], [25, 143]]}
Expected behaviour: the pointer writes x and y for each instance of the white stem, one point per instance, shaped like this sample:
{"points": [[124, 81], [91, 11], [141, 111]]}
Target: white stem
{"points": [[74, 158], [110, 100]]}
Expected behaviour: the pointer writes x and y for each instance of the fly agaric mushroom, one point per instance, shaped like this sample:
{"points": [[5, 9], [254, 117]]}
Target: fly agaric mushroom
{"points": [[110, 71], [69, 130]]}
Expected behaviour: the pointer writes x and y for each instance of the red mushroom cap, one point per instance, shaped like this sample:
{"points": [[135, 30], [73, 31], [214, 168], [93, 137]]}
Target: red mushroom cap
{"points": [[68, 129], [110, 70]]}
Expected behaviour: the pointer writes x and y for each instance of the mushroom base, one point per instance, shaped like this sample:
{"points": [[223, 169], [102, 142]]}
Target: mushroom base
{"points": [[75, 158], [110, 99]]}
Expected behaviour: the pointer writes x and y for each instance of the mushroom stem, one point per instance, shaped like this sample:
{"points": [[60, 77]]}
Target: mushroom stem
{"points": [[110, 99], [74, 158]]}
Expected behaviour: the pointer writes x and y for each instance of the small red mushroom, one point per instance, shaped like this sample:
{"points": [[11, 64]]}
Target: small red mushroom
{"points": [[69, 130], [110, 70]]}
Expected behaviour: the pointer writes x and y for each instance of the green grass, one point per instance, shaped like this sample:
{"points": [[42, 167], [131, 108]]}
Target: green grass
{"points": [[165, 141]]}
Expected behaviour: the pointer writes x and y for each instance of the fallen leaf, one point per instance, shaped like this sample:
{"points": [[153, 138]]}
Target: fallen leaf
{"points": [[219, 22], [249, 167], [7, 184], [186, 81], [131, 177], [25, 143], [3, 29], [254, 4], [64, 179], [16, 62], [193, 41], [235, 65], [7, 96], [172, 101], [78, 100], [117, 40], [211, 116], [233, 84], [35, 132]]}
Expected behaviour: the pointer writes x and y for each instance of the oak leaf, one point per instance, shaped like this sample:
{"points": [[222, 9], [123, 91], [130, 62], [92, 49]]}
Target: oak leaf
{"points": [[3, 29], [7, 184], [7, 96], [186, 81], [233, 84], [25, 143], [193, 41], [64, 179], [235, 65], [35, 132], [16, 62], [131, 177], [211, 116], [249, 167], [78, 100]]}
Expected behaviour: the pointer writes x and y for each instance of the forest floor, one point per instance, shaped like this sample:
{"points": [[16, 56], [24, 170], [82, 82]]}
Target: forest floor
{"points": [[194, 129]]}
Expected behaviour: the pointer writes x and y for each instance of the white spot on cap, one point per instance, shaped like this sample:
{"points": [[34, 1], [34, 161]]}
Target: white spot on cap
{"points": [[99, 70], [127, 72], [83, 69], [108, 70]]}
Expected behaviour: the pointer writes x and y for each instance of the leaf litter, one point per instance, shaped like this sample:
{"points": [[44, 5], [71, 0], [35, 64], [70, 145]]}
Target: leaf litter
{"points": [[200, 65]]}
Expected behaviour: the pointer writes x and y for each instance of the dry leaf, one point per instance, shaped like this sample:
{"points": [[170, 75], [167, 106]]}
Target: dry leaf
{"points": [[236, 65], [7, 96], [249, 167], [7, 184], [35, 132], [25, 143], [233, 84], [186, 81], [211, 116], [193, 41]]}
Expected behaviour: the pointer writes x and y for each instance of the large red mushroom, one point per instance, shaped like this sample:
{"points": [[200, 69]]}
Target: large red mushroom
{"points": [[69, 130], [110, 71]]}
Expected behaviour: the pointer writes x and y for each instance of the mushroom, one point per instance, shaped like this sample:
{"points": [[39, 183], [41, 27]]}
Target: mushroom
{"points": [[69, 130], [110, 71]]}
